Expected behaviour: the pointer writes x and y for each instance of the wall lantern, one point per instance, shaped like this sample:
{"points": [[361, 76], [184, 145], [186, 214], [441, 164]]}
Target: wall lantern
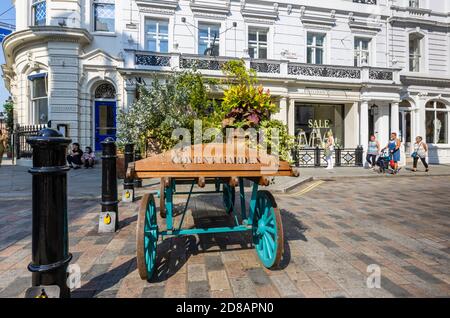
{"points": [[374, 110]]}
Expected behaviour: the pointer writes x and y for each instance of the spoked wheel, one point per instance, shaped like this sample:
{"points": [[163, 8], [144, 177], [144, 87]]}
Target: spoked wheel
{"points": [[162, 198], [146, 237], [267, 230], [229, 195]]}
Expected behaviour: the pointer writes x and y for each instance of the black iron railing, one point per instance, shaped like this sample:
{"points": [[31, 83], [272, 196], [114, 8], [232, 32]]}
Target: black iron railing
{"points": [[21, 133], [315, 157]]}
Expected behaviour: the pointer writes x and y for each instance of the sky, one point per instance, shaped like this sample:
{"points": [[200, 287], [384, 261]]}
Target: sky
{"points": [[10, 18]]}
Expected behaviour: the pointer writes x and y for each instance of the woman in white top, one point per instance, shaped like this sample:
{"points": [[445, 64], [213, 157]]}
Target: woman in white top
{"points": [[420, 152], [329, 148]]}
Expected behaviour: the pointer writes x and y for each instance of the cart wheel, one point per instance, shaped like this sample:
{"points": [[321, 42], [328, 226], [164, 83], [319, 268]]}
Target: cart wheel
{"points": [[267, 230], [146, 237], [229, 195], [162, 198]]}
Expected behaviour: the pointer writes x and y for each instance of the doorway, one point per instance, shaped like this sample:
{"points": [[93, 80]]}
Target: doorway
{"points": [[105, 114]]}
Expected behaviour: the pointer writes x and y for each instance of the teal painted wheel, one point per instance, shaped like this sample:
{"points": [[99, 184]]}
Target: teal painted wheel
{"points": [[267, 230], [146, 237], [229, 197]]}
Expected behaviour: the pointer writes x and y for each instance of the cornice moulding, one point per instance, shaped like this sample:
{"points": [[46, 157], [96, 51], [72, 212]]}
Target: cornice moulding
{"points": [[218, 7], [171, 5]]}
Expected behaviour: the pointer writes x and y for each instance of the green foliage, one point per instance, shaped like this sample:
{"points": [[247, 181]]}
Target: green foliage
{"points": [[164, 106], [285, 141], [245, 103], [9, 111]]}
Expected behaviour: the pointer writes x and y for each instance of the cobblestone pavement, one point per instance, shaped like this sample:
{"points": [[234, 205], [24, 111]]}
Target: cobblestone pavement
{"points": [[333, 231]]}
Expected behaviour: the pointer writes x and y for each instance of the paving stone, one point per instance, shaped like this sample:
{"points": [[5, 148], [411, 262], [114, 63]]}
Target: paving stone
{"points": [[196, 273], [393, 288], [242, 287], [285, 286], [328, 243], [213, 262], [423, 275], [198, 289]]}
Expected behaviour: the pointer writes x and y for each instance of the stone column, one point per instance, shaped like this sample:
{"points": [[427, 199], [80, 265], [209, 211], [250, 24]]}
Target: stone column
{"points": [[364, 124], [282, 113], [395, 125], [291, 117]]}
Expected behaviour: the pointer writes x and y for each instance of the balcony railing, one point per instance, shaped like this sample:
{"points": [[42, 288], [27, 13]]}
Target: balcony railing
{"points": [[265, 68]]}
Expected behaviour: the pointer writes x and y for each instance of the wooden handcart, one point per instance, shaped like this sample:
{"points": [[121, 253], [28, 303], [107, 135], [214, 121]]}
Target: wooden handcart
{"points": [[226, 172]]}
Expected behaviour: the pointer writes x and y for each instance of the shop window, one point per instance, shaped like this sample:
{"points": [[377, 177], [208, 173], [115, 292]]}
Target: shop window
{"points": [[315, 48], [39, 12], [208, 39], [415, 52], [436, 123], [38, 96], [104, 15], [257, 43], [313, 121], [157, 35], [362, 51]]}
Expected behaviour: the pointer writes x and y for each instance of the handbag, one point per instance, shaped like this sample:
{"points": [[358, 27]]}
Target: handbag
{"points": [[414, 154]]}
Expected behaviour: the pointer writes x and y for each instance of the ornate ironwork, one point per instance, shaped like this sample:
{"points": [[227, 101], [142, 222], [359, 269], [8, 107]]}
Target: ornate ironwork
{"points": [[265, 67], [152, 60], [105, 90], [315, 157], [366, 1], [381, 75], [202, 64], [324, 71]]}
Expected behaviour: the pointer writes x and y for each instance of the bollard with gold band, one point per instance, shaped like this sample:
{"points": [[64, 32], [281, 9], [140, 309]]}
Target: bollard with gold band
{"points": [[109, 218], [50, 244]]}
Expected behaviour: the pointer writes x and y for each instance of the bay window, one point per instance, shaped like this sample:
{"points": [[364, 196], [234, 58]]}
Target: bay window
{"points": [[38, 96], [436, 123], [39, 12], [157, 35], [104, 15], [315, 48], [257, 43], [362, 52], [208, 39]]}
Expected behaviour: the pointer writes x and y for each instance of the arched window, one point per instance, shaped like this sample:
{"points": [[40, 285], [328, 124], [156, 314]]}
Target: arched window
{"points": [[436, 123], [105, 91], [38, 84]]}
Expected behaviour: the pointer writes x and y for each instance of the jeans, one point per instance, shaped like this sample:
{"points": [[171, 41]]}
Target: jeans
{"points": [[371, 159], [416, 160]]}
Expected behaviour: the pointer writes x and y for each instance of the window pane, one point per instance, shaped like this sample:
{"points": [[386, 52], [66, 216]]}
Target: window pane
{"points": [[203, 31], [251, 52], [104, 17], [262, 53], [365, 44], [38, 87], [39, 12], [309, 55], [164, 28], [441, 127], [202, 48], [164, 46], [429, 124], [151, 44], [216, 50], [252, 36], [214, 31], [319, 40], [356, 44], [319, 56], [310, 39], [262, 36], [41, 110], [151, 26]]}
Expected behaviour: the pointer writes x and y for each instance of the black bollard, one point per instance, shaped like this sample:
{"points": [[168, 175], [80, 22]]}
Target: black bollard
{"points": [[50, 246], [137, 156], [109, 217], [128, 183]]}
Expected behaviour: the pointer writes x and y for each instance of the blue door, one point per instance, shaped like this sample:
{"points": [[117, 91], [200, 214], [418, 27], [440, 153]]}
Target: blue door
{"points": [[105, 122]]}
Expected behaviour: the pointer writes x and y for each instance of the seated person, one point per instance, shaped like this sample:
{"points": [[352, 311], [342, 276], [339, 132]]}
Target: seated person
{"points": [[74, 156], [88, 158]]}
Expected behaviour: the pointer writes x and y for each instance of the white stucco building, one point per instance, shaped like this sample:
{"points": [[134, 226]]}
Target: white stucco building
{"points": [[356, 66]]}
